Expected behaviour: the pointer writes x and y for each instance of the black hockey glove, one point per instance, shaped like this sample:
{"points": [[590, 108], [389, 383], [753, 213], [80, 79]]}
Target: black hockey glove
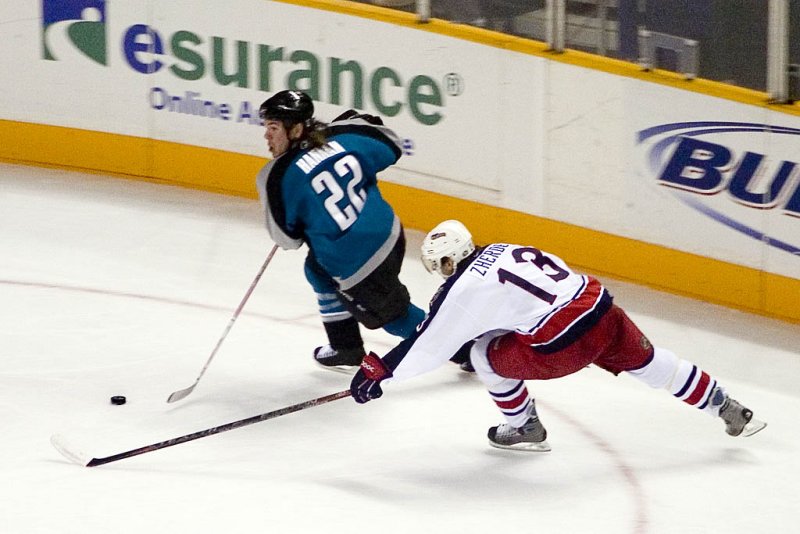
{"points": [[353, 114], [372, 119], [366, 385], [349, 114]]}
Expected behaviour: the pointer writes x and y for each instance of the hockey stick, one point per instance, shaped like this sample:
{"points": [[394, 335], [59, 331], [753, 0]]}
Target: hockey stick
{"points": [[183, 393], [61, 445]]}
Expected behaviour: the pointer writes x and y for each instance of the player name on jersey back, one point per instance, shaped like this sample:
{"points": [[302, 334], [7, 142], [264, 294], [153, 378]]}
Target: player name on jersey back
{"points": [[314, 157], [481, 265]]}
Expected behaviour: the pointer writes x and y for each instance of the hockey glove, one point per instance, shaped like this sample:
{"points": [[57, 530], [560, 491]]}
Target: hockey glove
{"points": [[353, 114], [372, 119], [366, 384]]}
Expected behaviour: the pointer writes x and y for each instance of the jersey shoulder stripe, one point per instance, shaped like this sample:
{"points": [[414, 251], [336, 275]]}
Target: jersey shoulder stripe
{"points": [[276, 172]]}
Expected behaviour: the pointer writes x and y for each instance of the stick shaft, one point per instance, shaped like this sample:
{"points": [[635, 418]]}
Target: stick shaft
{"points": [[219, 429], [182, 393]]}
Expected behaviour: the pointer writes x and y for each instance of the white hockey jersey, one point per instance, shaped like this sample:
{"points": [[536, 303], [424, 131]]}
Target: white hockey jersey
{"points": [[502, 288]]}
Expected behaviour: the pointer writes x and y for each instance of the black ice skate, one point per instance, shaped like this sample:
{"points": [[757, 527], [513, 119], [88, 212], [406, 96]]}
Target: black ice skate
{"points": [[461, 358], [466, 367], [531, 436], [738, 419], [343, 361]]}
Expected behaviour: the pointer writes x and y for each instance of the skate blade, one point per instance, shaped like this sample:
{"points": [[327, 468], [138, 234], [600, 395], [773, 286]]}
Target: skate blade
{"points": [[752, 427], [525, 446], [343, 369]]}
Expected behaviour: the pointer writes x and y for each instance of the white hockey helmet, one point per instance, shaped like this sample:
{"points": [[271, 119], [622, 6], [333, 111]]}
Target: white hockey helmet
{"points": [[449, 239]]}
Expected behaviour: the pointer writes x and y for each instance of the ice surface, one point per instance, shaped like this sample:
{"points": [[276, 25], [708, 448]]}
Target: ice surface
{"points": [[117, 287]]}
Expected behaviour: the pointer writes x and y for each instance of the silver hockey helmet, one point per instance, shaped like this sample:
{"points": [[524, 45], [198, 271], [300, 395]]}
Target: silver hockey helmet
{"points": [[449, 239]]}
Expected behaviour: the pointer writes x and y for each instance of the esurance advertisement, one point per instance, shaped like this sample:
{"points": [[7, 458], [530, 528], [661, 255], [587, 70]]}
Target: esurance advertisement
{"points": [[196, 72]]}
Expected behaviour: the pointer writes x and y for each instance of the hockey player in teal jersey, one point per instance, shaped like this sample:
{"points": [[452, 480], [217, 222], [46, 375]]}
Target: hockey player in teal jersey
{"points": [[321, 190]]}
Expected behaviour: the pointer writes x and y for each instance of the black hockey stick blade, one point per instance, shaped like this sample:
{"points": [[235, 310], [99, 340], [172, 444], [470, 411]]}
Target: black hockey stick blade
{"points": [[78, 457]]}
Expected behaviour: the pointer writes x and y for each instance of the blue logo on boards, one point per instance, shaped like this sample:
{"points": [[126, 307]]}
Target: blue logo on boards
{"points": [[682, 157], [68, 25]]}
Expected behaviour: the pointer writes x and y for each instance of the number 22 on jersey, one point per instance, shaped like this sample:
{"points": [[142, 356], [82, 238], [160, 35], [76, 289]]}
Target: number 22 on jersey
{"points": [[325, 182]]}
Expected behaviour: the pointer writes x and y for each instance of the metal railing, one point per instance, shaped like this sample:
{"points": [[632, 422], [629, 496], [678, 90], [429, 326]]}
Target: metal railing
{"points": [[747, 43]]}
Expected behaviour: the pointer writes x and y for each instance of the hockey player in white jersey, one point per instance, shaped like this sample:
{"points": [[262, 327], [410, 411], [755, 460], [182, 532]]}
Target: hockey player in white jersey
{"points": [[533, 318]]}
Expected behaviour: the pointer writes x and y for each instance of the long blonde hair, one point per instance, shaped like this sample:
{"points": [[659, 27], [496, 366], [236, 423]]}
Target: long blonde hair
{"points": [[315, 134]]}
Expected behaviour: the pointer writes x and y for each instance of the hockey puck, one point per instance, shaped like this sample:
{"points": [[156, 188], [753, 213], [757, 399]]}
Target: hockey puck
{"points": [[118, 400]]}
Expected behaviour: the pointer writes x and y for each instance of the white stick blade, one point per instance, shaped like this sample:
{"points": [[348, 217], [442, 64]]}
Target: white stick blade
{"points": [[180, 394], [60, 443]]}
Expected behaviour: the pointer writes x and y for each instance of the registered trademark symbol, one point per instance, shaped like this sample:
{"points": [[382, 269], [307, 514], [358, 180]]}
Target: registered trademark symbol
{"points": [[453, 83]]}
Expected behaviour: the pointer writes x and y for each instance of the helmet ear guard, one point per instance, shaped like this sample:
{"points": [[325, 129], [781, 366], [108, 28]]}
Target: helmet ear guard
{"points": [[431, 264], [449, 239]]}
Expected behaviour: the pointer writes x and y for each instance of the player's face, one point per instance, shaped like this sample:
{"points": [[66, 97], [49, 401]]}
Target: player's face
{"points": [[448, 268], [277, 138]]}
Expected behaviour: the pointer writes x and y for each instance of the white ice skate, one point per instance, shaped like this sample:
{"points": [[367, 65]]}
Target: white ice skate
{"points": [[738, 419], [531, 436]]}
